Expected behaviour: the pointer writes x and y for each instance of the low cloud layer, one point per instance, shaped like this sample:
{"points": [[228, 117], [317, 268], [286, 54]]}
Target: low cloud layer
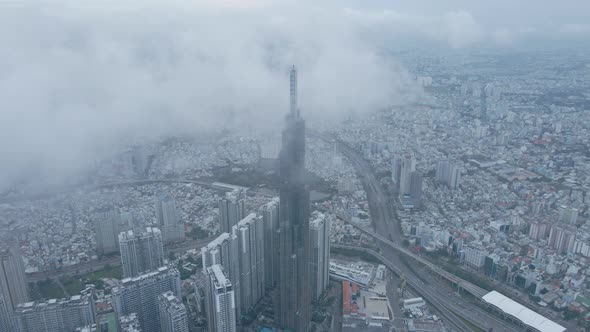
{"points": [[79, 78]]}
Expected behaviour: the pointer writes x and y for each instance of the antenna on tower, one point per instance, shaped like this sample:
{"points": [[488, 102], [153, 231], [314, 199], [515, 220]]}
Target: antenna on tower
{"points": [[293, 90]]}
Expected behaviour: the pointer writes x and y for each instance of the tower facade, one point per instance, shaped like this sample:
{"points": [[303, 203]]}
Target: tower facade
{"points": [[231, 210], [13, 282], [319, 227], [140, 295], [173, 317], [168, 221], [249, 233], [107, 226], [63, 315], [224, 251], [270, 217], [220, 304], [294, 296], [141, 252]]}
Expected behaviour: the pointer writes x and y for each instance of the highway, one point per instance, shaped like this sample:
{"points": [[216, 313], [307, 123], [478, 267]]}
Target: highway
{"points": [[96, 265], [432, 289]]}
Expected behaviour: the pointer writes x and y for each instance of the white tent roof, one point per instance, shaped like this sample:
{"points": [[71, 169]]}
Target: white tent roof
{"points": [[523, 313]]}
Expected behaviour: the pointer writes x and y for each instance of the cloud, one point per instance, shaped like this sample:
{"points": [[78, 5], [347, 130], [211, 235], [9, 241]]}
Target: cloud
{"points": [[81, 79]]}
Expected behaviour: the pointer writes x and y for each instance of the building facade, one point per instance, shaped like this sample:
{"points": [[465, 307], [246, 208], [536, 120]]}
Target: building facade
{"points": [[173, 316], [249, 233], [13, 281], [270, 217], [231, 210], [63, 315], [107, 225], [169, 222], [140, 295], [220, 302], [141, 252], [319, 228], [293, 305], [224, 251]]}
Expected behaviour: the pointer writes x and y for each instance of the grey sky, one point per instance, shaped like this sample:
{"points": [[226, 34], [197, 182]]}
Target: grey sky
{"points": [[77, 78]]}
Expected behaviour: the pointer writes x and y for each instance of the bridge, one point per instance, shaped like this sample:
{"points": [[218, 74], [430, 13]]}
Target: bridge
{"points": [[461, 284]]}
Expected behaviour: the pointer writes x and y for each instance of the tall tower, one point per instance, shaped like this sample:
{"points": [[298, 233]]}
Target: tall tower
{"points": [[294, 296], [293, 90], [220, 303], [107, 225], [141, 252], [13, 282], [171, 226], [173, 316]]}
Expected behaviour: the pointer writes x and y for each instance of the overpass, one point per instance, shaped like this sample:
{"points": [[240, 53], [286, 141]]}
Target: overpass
{"points": [[461, 284]]}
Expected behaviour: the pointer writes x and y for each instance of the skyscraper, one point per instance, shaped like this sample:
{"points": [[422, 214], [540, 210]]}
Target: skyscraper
{"points": [[416, 189], [319, 227], [249, 233], [140, 295], [107, 224], [396, 169], [13, 282], [224, 251], [5, 315], [568, 215], [168, 221], [141, 252], [408, 165], [173, 317], [270, 217], [294, 298], [220, 304], [63, 315], [448, 173], [231, 210]]}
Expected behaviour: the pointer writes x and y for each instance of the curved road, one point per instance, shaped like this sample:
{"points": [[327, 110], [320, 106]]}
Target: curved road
{"points": [[385, 222]]}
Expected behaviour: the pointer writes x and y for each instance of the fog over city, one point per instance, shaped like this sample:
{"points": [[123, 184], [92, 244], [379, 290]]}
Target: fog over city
{"points": [[77, 77], [294, 165]]}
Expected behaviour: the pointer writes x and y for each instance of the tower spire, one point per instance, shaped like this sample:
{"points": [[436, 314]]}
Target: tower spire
{"points": [[293, 90]]}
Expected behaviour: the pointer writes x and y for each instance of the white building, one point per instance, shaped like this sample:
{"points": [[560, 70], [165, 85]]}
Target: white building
{"points": [[224, 251], [232, 209], [13, 282], [141, 252], [55, 315], [270, 217], [173, 317], [220, 302], [140, 295], [474, 256], [249, 233], [319, 237]]}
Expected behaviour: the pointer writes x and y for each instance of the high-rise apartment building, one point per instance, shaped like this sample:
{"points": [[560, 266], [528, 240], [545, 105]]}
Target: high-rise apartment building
{"points": [[270, 217], [173, 316], [220, 303], [249, 233], [5, 315], [448, 173], [55, 315], [224, 251], [13, 282], [319, 228], [416, 189], [231, 210], [140, 295], [141, 252], [396, 171], [293, 305], [562, 238], [107, 225], [408, 165], [171, 226], [568, 215], [538, 230]]}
